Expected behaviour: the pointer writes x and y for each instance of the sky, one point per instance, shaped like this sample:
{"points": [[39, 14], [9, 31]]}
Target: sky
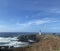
{"points": [[29, 15]]}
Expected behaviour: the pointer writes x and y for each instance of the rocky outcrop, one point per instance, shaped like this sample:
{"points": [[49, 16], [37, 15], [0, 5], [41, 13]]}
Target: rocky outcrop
{"points": [[26, 38]]}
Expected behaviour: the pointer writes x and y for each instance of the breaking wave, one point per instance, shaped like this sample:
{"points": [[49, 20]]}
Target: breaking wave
{"points": [[12, 41]]}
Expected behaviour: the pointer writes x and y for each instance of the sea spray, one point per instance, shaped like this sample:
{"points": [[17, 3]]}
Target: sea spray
{"points": [[9, 41]]}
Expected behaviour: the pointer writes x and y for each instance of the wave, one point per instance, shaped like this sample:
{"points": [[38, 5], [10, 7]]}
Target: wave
{"points": [[9, 41]]}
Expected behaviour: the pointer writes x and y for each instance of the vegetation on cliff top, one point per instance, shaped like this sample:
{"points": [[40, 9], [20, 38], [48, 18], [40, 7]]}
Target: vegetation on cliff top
{"points": [[46, 43]]}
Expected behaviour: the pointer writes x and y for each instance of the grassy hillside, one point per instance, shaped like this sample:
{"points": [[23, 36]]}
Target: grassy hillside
{"points": [[46, 43]]}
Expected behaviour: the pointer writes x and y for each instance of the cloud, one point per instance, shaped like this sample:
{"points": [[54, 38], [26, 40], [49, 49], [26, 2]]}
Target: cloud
{"points": [[37, 22], [25, 26]]}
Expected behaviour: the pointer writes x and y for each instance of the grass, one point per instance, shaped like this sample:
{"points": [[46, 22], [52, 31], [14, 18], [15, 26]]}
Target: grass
{"points": [[46, 43], [56, 50]]}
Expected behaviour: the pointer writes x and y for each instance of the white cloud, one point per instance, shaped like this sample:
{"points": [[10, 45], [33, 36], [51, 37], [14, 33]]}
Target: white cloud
{"points": [[37, 22], [25, 26]]}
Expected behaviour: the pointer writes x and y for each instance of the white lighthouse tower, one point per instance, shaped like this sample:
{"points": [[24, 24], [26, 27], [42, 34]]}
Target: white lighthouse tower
{"points": [[40, 32]]}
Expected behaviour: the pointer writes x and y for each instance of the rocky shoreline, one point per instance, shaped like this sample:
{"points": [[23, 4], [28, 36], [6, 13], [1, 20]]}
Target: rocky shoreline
{"points": [[45, 43], [22, 38]]}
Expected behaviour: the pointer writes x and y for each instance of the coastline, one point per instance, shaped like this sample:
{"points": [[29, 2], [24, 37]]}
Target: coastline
{"points": [[47, 43]]}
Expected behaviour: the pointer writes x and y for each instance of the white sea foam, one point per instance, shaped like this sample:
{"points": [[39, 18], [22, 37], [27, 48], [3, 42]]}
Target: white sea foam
{"points": [[11, 42]]}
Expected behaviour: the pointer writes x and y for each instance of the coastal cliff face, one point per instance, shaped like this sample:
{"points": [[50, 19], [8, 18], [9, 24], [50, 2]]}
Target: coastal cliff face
{"points": [[46, 43]]}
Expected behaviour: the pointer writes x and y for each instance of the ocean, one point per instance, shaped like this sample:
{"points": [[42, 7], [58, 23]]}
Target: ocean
{"points": [[14, 34], [10, 39]]}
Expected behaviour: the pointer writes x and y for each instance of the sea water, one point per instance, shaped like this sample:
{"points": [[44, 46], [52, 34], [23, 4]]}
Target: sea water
{"points": [[10, 39]]}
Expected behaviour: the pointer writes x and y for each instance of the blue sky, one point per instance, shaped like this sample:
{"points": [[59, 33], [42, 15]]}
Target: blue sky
{"points": [[29, 15]]}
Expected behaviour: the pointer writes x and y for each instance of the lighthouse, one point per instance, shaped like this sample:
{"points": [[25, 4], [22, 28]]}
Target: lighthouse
{"points": [[40, 32]]}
